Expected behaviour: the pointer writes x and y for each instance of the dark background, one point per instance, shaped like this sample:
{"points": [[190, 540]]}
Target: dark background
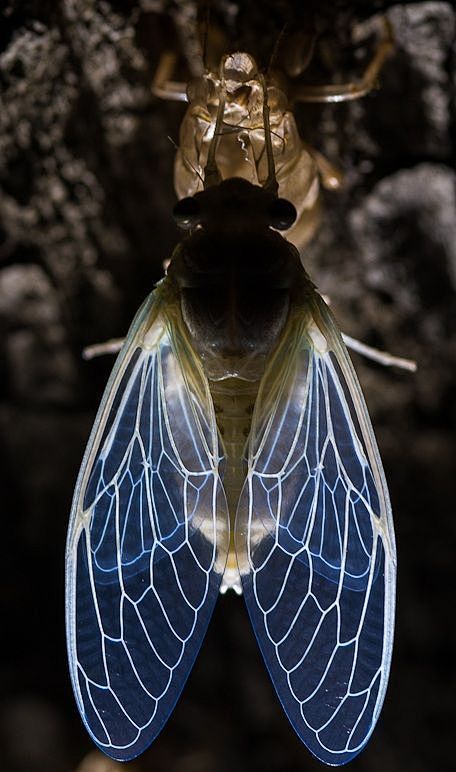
{"points": [[85, 223]]}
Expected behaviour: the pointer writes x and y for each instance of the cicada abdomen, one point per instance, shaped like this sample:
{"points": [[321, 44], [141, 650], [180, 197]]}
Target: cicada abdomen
{"points": [[232, 449]]}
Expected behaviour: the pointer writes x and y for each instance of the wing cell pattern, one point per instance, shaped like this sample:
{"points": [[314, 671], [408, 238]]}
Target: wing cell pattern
{"points": [[146, 548], [316, 551]]}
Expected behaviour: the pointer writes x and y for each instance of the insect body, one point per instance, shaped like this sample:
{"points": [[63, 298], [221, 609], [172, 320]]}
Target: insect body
{"points": [[241, 146], [232, 448]]}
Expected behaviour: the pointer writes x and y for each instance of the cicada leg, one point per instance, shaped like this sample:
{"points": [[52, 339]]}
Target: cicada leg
{"points": [[271, 180], [114, 345], [212, 174], [330, 175], [162, 84], [346, 92]]}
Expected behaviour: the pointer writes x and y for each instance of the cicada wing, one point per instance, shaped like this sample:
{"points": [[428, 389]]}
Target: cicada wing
{"points": [[148, 537], [315, 541]]}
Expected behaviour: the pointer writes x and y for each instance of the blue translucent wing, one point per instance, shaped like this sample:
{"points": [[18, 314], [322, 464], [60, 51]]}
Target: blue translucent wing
{"points": [[315, 541], [148, 536]]}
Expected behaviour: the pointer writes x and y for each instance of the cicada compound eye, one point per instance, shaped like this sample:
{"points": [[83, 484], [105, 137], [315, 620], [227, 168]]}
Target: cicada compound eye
{"points": [[187, 213], [281, 214]]}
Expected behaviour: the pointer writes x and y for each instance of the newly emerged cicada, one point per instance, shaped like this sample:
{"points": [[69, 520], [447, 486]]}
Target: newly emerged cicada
{"points": [[232, 449]]}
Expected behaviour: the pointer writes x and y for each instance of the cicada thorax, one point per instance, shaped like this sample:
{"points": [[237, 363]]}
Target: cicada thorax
{"points": [[237, 280], [241, 144], [236, 277]]}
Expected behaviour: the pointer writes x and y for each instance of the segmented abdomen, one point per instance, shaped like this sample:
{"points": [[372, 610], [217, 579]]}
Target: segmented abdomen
{"points": [[234, 400]]}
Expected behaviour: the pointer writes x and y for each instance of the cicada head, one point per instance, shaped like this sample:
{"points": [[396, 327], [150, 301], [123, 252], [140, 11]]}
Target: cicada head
{"points": [[235, 206]]}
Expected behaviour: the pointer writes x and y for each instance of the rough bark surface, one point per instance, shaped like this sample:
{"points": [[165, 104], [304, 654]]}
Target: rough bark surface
{"points": [[85, 223]]}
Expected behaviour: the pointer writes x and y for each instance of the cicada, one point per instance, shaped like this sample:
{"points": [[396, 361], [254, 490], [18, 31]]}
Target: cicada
{"points": [[232, 449]]}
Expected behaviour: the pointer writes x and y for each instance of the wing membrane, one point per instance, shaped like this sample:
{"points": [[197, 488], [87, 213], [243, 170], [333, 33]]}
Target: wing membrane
{"points": [[315, 541], [148, 537]]}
